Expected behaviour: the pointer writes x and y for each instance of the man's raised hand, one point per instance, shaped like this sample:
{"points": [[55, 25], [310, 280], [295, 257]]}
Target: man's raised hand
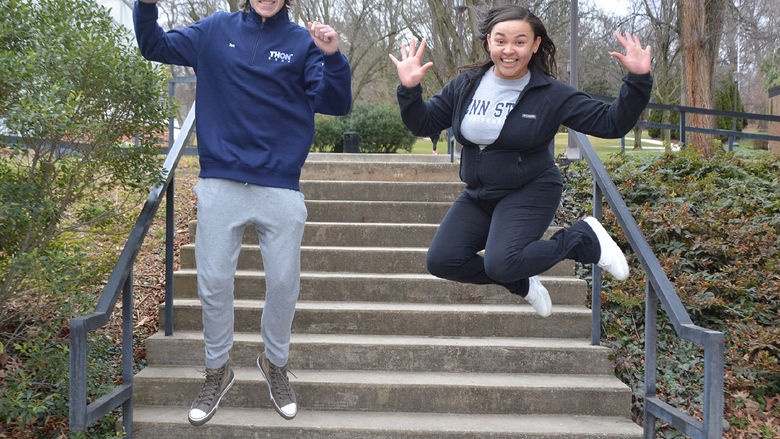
{"points": [[325, 37]]}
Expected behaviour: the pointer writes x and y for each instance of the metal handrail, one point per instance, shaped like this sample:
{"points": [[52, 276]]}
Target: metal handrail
{"points": [[684, 128], [658, 288], [82, 415]]}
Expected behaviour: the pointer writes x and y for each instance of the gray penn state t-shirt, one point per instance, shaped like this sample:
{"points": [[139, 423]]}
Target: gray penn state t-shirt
{"points": [[494, 99]]}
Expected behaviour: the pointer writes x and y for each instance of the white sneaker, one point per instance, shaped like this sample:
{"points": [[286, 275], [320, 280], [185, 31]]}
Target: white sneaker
{"points": [[538, 297], [612, 259]]}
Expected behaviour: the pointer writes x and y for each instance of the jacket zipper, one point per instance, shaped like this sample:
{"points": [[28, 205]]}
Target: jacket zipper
{"points": [[517, 104], [257, 43], [463, 108]]}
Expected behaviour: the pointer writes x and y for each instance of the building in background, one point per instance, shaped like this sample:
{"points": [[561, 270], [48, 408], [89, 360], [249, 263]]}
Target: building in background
{"points": [[121, 12]]}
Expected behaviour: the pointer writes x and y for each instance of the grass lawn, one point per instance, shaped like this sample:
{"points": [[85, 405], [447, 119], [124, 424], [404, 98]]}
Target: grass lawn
{"points": [[604, 147]]}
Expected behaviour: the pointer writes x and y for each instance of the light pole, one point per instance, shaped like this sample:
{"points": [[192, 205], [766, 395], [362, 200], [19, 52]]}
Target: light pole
{"points": [[572, 152], [736, 91], [460, 8]]}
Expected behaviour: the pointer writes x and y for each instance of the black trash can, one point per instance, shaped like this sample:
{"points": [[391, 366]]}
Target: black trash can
{"points": [[351, 142]]}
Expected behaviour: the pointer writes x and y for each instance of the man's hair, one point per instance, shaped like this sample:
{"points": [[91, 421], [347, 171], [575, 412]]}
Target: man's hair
{"points": [[245, 6]]}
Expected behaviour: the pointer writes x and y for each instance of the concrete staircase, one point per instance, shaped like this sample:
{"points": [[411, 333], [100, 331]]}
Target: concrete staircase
{"points": [[381, 349]]}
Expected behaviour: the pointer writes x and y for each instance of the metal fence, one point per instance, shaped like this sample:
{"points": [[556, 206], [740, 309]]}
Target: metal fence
{"points": [[684, 128]]}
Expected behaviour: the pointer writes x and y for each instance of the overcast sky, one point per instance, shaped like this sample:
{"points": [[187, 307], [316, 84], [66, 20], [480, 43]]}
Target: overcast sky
{"points": [[619, 7]]}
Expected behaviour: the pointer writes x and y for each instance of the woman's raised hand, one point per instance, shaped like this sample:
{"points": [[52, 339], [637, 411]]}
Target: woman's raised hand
{"points": [[636, 59], [410, 70]]}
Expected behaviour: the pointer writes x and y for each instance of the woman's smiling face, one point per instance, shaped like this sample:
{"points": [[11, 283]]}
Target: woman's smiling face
{"points": [[511, 45], [267, 8]]}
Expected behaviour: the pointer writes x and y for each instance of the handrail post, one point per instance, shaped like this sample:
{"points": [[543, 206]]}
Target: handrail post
{"points": [[127, 351], [595, 285], [169, 241], [682, 128], [169, 227], [78, 375], [651, 355], [171, 92], [713, 385]]}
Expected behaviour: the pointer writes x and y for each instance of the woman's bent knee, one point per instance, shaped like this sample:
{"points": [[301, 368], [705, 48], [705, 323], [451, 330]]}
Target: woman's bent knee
{"points": [[440, 266], [502, 271]]}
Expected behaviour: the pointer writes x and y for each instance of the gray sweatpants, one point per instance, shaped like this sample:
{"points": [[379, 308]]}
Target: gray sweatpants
{"points": [[225, 208]]}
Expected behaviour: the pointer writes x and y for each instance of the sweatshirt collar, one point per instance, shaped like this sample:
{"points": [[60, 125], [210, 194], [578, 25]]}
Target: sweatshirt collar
{"points": [[537, 77], [280, 17]]}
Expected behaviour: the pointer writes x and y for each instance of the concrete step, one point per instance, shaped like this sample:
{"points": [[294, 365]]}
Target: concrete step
{"points": [[351, 259], [381, 190], [380, 171], [354, 234], [400, 353], [345, 158], [369, 318], [392, 391], [418, 212], [342, 234], [229, 422], [387, 287]]}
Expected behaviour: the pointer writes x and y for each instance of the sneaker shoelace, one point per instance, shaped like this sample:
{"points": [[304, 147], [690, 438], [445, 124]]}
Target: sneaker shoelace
{"points": [[211, 387], [280, 382]]}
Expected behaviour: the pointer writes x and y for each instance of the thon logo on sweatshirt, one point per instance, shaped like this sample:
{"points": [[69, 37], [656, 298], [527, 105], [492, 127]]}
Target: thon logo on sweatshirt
{"points": [[280, 56]]}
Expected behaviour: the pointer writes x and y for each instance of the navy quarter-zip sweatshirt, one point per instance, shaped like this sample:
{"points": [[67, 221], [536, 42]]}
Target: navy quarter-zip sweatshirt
{"points": [[521, 151], [259, 85]]}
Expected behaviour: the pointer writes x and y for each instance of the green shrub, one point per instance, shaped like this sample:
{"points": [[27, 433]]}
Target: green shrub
{"points": [[381, 129], [74, 90], [328, 134], [714, 225], [33, 394]]}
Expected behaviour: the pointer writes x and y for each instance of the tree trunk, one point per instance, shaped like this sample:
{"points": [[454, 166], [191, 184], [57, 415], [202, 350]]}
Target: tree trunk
{"points": [[638, 131], [701, 26], [665, 119]]}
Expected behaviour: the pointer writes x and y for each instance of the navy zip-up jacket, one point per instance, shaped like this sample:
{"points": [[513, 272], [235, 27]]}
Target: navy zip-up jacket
{"points": [[521, 152], [259, 85]]}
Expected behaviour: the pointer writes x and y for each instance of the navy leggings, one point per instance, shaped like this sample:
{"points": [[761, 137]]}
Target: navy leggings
{"points": [[509, 229]]}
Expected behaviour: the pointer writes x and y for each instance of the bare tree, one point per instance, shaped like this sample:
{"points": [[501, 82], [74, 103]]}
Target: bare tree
{"points": [[662, 14], [369, 30], [453, 37], [755, 29], [599, 72], [701, 24]]}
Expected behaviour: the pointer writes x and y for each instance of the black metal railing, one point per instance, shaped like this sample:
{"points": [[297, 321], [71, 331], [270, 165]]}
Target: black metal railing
{"points": [[658, 288], [684, 128], [82, 414]]}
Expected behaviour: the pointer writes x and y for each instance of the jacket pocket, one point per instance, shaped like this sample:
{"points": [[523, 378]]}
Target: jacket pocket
{"points": [[468, 165], [500, 169]]}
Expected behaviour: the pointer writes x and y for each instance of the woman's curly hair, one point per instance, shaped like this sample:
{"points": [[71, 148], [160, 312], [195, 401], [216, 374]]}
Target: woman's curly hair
{"points": [[544, 58]]}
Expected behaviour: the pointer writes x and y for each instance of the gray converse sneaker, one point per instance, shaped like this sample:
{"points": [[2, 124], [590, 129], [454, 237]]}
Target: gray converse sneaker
{"points": [[279, 388], [612, 259], [538, 297], [218, 382]]}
